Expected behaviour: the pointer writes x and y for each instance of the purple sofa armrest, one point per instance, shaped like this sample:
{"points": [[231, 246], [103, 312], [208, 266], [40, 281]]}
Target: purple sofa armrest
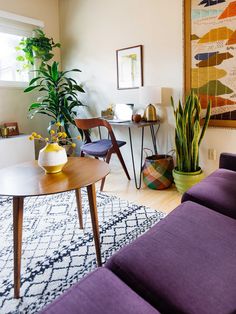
{"points": [[228, 161]]}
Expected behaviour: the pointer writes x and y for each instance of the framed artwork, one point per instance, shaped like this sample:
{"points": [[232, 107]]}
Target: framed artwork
{"points": [[210, 56], [129, 67], [12, 128]]}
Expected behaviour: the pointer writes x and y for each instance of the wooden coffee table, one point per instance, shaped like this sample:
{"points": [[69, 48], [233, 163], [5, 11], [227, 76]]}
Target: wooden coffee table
{"points": [[27, 179]]}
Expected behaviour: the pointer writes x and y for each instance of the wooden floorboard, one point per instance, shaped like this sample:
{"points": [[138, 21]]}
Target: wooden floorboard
{"points": [[162, 200]]}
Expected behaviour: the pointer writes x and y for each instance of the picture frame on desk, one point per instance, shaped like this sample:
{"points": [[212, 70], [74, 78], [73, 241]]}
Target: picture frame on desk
{"points": [[129, 62], [12, 128]]}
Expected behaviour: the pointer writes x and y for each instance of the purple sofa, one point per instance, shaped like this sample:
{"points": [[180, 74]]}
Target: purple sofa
{"points": [[218, 190], [184, 264]]}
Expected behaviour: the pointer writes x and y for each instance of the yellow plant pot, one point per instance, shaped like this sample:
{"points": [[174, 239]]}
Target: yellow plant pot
{"points": [[185, 180], [52, 158]]}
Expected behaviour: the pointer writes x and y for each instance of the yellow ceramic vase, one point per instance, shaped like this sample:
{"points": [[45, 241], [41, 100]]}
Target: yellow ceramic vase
{"points": [[52, 158]]}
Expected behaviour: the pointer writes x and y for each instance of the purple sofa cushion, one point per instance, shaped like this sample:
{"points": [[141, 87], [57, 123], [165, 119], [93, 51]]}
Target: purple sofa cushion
{"points": [[184, 264], [101, 292], [99, 148], [228, 161], [217, 191]]}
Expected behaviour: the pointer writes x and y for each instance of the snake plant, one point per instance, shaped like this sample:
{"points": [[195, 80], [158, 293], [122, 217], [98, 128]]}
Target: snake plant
{"points": [[188, 132]]}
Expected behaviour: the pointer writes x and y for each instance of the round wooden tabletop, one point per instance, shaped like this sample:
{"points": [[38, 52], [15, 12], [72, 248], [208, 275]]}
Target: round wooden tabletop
{"points": [[28, 179]]}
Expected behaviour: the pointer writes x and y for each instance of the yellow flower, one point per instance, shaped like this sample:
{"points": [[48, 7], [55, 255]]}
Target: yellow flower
{"points": [[73, 145], [58, 124], [31, 137], [34, 134], [52, 132], [46, 139], [38, 136], [59, 134], [64, 135]]}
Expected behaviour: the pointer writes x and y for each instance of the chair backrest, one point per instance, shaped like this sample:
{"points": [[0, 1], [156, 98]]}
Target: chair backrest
{"points": [[87, 124]]}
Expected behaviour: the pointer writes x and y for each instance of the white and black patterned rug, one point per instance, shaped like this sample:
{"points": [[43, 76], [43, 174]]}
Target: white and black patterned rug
{"points": [[55, 252]]}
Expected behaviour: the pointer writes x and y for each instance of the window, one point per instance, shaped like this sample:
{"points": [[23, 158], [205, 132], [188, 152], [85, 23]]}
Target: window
{"points": [[9, 67], [12, 29]]}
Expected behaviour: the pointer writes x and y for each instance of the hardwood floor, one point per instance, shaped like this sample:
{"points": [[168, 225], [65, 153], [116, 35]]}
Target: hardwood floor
{"points": [[162, 200]]}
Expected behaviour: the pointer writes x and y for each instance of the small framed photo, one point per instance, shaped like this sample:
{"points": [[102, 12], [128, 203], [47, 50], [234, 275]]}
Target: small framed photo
{"points": [[12, 128], [129, 67]]}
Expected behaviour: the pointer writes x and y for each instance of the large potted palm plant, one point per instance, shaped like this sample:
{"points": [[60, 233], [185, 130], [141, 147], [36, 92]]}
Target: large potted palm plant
{"points": [[188, 137], [59, 98]]}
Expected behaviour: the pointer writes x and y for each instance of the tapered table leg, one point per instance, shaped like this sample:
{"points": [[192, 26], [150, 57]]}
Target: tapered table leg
{"points": [[94, 218], [18, 203], [79, 207]]}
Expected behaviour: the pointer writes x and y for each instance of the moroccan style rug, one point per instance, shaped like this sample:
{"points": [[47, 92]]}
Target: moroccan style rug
{"points": [[55, 252]]}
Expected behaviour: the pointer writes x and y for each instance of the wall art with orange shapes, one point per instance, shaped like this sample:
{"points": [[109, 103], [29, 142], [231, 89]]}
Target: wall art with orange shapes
{"points": [[210, 56]]}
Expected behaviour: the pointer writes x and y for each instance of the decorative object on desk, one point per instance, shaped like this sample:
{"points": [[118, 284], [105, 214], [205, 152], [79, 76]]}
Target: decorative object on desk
{"points": [[157, 171], [150, 113], [188, 137], [4, 132], [53, 157], [129, 67], [136, 118], [12, 129], [108, 113]]}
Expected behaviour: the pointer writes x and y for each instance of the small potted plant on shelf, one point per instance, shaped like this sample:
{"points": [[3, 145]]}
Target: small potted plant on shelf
{"points": [[188, 137], [53, 157]]}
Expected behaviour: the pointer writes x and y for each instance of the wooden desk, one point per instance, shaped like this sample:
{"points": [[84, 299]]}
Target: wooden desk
{"points": [[142, 125], [28, 179]]}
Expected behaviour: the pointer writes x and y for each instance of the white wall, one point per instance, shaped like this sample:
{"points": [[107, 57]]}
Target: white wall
{"points": [[91, 31]]}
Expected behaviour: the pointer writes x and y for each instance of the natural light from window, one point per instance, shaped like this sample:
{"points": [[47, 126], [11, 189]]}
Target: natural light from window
{"points": [[9, 66]]}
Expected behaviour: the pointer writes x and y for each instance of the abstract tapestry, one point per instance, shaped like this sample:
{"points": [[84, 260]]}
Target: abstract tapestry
{"points": [[213, 55]]}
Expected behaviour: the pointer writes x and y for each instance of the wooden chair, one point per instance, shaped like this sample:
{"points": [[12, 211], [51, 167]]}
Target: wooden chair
{"points": [[102, 148]]}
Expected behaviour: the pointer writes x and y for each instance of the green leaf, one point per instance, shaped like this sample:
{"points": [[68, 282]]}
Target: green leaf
{"points": [[34, 106], [20, 58], [30, 88], [34, 80], [78, 88]]}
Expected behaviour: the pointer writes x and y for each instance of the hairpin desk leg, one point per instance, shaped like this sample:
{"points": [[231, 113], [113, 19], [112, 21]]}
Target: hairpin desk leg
{"points": [[137, 183], [154, 137]]}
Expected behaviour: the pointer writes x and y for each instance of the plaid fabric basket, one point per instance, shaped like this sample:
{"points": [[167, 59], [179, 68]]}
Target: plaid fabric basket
{"points": [[157, 171]]}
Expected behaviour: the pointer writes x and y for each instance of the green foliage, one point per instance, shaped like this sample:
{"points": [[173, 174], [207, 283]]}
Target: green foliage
{"points": [[38, 47], [188, 133], [59, 99]]}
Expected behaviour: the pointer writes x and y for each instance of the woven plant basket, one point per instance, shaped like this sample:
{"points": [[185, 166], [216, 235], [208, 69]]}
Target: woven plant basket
{"points": [[157, 171]]}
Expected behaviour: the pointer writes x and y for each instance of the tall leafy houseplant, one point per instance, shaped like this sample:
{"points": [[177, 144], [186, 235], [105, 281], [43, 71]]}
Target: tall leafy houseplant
{"points": [[59, 98], [188, 137], [38, 47]]}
